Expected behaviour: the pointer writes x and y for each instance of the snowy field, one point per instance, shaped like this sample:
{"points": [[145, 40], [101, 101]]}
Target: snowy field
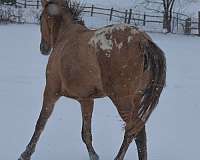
{"points": [[173, 129]]}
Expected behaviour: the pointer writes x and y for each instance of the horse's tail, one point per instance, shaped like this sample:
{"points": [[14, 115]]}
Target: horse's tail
{"points": [[155, 64]]}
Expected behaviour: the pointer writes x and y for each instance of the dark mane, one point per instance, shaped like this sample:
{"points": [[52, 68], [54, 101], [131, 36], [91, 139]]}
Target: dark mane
{"points": [[76, 8]]}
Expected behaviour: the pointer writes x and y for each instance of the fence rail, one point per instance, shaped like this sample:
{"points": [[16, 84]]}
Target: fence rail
{"points": [[180, 22], [24, 3]]}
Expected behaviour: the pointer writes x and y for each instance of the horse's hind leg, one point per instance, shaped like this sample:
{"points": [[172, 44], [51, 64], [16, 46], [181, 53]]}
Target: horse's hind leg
{"points": [[87, 109], [125, 107], [48, 104], [141, 141]]}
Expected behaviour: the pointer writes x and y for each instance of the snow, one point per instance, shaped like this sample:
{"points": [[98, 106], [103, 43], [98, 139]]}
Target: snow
{"points": [[193, 9], [173, 129]]}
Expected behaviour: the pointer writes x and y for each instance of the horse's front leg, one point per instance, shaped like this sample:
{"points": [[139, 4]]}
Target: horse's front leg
{"points": [[48, 104], [87, 109]]}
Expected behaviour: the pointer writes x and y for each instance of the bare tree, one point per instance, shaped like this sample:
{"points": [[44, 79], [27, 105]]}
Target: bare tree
{"points": [[168, 11]]}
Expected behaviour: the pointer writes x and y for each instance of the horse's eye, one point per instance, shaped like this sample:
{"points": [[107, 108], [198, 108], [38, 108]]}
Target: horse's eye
{"points": [[50, 17]]}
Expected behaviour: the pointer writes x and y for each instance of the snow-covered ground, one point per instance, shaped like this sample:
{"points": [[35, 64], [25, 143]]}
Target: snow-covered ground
{"points": [[192, 9], [173, 129]]}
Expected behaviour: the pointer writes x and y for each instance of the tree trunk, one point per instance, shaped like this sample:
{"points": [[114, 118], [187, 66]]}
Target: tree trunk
{"points": [[167, 17], [167, 22]]}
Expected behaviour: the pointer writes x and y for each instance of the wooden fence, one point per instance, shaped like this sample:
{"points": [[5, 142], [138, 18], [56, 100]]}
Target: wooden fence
{"points": [[28, 3], [180, 23]]}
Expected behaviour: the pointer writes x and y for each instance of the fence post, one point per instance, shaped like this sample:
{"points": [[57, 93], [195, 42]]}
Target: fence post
{"points": [[173, 21], [38, 3], [144, 22], [25, 4], [177, 25], [188, 26], [126, 14], [92, 10], [111, 13], [199, 24], [129, 17]]}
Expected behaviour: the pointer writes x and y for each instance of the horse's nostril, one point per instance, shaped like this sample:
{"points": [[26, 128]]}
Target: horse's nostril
{"points": [[45, 50], [41, 46]]}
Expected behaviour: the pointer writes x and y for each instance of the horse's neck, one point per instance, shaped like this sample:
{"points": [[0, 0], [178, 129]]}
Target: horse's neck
{"points": [[67, 20], [65, 23], [68, 27]]}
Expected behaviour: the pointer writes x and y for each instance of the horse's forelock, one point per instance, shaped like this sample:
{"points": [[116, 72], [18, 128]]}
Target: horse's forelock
{"points": [[44, 2], [53, 9]]}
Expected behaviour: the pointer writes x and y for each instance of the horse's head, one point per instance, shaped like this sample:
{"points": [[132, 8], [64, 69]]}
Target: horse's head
{"points": [[55, 13], [50, 23]]}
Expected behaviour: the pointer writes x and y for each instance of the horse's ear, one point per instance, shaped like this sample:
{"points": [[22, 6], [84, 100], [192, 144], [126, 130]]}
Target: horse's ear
{"points": [[44, 2], [61, 2]]}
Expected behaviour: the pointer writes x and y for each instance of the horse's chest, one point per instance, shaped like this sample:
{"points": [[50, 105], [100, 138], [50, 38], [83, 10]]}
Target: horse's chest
{"points": [[81, 75]]}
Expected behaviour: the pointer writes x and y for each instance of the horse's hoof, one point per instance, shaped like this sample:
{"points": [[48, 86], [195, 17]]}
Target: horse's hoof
{"points": [[116, 158], [24, 158], [94, 157]]}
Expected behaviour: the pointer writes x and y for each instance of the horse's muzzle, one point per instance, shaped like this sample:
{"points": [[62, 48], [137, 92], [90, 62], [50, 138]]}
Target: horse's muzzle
{"points": [[44, 48]]}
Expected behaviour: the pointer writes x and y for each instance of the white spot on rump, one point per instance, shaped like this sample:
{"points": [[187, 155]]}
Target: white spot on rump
{"points": [[130, 38], [108, 55], [134, 31], [101, 39], [118, 45]]}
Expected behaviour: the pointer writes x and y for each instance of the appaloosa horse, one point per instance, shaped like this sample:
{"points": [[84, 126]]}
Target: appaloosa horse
{"points": [[117, 61]]}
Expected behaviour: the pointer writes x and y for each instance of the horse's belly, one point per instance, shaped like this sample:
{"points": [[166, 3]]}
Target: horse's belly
{"points": [[79, 89]]}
